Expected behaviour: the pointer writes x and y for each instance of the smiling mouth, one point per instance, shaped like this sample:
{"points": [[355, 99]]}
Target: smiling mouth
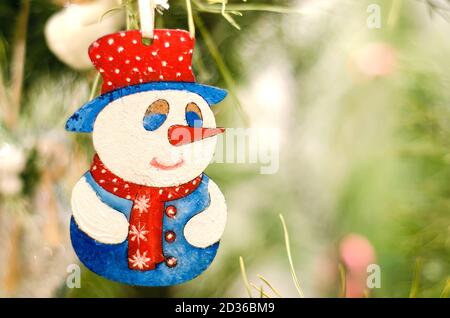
{"points": [[161, 166]]}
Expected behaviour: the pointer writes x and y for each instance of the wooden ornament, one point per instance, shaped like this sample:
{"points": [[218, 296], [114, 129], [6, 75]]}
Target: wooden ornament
{"points": [[145, 213]]}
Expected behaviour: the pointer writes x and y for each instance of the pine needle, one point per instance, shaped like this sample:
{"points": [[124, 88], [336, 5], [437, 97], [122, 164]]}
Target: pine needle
{"points": [[190, 15], [343, 278], [94, 88], [416, 279], [262, 294], [227, 16], [291, 263], [221, 66], [115, 9], [244, 276], [214, 8], [270, 286], [446, 289], [394, 13]]}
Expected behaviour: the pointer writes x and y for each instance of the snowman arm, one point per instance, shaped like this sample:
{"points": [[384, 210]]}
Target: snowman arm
{"points": [[96, 219], [206, 228]]}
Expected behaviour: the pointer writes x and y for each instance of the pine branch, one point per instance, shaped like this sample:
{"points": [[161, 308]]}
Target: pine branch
{"points": [[217, 7], [439, 8], [18, 64], [223, 69], [4, 97]]}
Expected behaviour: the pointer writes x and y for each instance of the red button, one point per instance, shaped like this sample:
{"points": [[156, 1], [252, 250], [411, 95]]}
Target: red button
{"points": [[171, 211], [170, 236], [171, 261]]}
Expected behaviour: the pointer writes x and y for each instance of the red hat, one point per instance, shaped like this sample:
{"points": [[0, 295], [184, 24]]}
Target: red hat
{"points": [[129, 66], [123, 59]]}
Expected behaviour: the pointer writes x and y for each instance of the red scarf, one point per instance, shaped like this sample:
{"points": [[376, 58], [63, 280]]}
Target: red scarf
{"points": [[145, 232]]}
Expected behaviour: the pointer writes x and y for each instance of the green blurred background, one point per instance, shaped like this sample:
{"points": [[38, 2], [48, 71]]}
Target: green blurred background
{"points": [[358, 90]]}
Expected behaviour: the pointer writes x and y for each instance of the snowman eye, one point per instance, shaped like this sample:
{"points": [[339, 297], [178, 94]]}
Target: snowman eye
{"points": [[156, 114], [194, 116]]}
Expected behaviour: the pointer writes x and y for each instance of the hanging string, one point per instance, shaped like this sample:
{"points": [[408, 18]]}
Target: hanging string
{"points": [[147, 10], [147, 17]]}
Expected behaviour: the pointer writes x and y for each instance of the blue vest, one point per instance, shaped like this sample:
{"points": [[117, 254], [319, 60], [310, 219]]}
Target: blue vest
{"points": [[111, 260]]}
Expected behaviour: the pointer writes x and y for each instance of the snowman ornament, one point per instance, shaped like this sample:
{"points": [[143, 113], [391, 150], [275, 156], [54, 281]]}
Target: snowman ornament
{"points": [[145, 213]]}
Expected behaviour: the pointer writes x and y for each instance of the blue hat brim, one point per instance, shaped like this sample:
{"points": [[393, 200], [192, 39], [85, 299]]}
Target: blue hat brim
{"points": [[83, 119]]}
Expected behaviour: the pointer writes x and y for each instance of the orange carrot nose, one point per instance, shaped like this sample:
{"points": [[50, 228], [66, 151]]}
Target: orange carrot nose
{"points": [[181, 135]]}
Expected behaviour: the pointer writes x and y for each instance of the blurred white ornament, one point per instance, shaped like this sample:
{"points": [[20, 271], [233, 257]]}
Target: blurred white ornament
{"points": [[10, 185], [12, 163], [12, 160], [70, 31]]}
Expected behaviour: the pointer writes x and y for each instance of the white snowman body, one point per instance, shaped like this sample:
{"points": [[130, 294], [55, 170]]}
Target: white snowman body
{"points": [[147, 157]]}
